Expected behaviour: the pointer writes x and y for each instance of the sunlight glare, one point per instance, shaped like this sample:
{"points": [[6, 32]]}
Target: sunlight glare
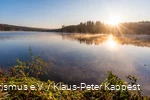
{"points": [[111, 43], [114, 20]]}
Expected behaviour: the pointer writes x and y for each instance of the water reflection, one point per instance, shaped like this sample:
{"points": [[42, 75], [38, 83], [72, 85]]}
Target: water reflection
{"points": [[122, 54], [111, 43], [128, 39], [80, 58]]}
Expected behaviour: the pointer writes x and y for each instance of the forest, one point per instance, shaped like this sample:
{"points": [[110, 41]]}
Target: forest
{"points": [[142, 27]]}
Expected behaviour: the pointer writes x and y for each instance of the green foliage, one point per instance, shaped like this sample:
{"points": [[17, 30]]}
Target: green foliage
{"points": [[47, 91], [34, 67]]}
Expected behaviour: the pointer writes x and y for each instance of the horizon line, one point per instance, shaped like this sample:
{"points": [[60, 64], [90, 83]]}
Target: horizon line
{"points": [[71, 24]]}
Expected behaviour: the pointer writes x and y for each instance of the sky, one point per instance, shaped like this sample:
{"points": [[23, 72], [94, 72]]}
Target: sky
{"points": [[55, 13]]}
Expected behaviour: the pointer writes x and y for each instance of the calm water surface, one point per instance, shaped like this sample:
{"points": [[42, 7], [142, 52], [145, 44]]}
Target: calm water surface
{"points": [[81, 58]]}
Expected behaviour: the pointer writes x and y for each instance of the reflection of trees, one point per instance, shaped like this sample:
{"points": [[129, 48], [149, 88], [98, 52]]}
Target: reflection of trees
{"points": [[89, 39], [86, 38], [137, 40]]}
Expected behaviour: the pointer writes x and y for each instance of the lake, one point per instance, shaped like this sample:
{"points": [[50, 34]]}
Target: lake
{"points": [[80, 58]]}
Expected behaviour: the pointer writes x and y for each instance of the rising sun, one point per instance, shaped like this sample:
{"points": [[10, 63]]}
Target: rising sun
{"points": [[114, 20]]}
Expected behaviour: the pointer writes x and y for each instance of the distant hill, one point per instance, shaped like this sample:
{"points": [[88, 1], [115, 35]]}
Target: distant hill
{"points": [[6, 27]]}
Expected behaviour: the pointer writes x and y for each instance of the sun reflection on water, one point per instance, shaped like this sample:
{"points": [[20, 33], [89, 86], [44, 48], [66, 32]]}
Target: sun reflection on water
{"points": [[111, 43]]}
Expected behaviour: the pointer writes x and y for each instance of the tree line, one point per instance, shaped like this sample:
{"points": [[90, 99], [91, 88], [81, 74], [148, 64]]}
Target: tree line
{"points": [[6, 27], [142, 27], [87, 27]]}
